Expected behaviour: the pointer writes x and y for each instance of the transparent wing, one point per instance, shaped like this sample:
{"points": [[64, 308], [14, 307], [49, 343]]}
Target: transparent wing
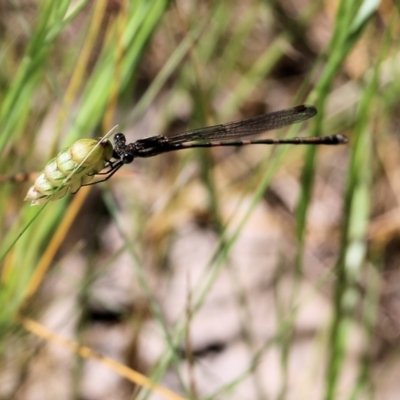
{"points": [[247, 127]]}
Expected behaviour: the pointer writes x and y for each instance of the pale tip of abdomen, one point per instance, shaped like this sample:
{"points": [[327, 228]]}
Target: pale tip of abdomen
{"points": [[341, 139]]}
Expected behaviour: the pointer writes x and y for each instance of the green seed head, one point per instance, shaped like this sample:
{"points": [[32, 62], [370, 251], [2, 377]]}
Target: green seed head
{"points": [[70, 169], [97, 155]]}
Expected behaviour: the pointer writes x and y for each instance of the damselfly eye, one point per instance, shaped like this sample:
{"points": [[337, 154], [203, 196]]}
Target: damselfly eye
{"points": [[119, 138], [127, 158]]}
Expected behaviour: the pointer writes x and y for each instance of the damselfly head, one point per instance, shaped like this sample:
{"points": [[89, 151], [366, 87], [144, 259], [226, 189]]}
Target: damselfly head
{"points": [[122, 151]]}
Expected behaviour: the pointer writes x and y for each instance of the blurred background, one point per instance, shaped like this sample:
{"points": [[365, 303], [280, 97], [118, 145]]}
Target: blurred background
{"points": [[260, 272]]}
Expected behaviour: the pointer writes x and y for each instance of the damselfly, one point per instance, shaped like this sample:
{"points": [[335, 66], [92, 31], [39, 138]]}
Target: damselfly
{"points": [[77, 165]]}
